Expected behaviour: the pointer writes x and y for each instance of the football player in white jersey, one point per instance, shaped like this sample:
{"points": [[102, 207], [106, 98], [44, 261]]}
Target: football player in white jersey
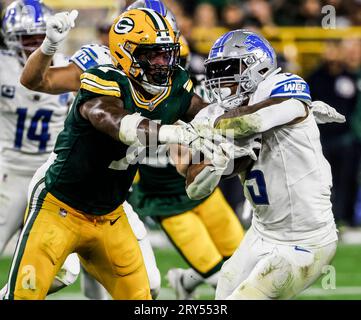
{"points": [[29, 121], [293, 234]]}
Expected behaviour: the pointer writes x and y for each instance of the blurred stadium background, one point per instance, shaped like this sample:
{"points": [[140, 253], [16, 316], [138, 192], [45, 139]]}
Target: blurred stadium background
{"points": [[325, 51]]}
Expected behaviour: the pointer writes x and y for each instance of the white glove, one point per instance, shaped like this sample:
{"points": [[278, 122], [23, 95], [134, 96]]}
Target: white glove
{"points": [[324, 113], [57, 28], [223, 157], [186, 134], [221, 163]]}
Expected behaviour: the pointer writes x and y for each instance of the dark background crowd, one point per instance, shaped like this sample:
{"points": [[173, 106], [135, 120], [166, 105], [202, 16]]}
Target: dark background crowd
{"points": [[325, 50]]}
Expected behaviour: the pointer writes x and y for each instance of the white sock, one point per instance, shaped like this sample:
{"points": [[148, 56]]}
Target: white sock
{"points": [[191, 279]]}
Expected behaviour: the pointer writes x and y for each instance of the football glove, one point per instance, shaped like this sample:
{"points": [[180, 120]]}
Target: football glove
{"points": [[188, 135], [57, 28], [223, 156], [324, 113]]}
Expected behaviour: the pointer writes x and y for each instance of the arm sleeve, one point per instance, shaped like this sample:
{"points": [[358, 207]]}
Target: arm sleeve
{"points": [[97, 82], [90, 56], [264, 119]]}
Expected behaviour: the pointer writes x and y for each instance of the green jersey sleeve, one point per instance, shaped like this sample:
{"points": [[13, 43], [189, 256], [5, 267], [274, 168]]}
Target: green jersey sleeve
{"points": [[99, 81]]}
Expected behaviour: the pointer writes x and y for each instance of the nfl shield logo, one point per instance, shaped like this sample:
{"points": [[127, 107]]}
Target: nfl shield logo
{"points": [[63, 212]]}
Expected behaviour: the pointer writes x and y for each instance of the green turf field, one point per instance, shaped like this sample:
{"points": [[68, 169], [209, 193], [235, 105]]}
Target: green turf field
{"points": [[347, 265]]}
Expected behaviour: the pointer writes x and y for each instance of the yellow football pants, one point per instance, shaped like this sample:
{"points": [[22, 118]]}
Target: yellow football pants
{"points": [[206, 234], [106, 245]]}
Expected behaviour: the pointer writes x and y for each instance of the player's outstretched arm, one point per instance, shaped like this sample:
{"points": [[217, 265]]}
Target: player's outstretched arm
{"points": [[37, 74], [107, 114], [260, 117]]}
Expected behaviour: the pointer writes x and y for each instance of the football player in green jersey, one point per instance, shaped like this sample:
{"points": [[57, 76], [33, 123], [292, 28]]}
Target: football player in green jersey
{"points": [[77, 205]]}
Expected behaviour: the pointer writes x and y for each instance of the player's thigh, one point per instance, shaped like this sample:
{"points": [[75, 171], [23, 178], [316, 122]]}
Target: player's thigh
{"points": [[44, 243], [284, 272], [221, 223], [190, 236], [239, 266], [12, 204], [117, 261], [308, 266]]}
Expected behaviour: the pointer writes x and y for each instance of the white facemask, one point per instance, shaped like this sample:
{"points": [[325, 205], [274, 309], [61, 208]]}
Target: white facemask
{"points": [[222, 93], [226, 100]]}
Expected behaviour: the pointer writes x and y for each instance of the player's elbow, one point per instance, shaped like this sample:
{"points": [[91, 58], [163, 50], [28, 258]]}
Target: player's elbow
{"points": [[26, 83], [31, 83]]}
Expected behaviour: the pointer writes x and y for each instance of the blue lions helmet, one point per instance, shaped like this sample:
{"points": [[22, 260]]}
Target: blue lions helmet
{"points": [[24, 25], [238, 57], [158, 6]]}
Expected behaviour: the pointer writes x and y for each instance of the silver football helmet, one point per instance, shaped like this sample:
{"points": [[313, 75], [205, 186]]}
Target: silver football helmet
{"points": [[158, 6], [239, 57], [24, 20]]}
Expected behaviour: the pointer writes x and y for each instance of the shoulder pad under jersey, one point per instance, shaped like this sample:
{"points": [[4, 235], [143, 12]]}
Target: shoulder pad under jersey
{"points": [[91, 55], [282, 85]]}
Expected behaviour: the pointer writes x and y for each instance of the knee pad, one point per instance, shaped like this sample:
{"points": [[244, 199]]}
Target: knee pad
{"points": [[69, 271]]}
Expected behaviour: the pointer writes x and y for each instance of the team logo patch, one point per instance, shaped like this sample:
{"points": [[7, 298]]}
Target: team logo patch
{"points": [[124, 25], [63, 212], [219, 44], [255, 42], [8, 91]]}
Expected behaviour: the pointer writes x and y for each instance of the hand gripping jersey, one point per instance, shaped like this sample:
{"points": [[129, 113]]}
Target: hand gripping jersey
{"points": [[30, 121], [90, 172], [290, 183]]}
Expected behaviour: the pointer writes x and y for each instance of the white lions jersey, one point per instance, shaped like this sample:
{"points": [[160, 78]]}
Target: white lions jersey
{"points": [[91, 55], [30, 121], [290, 183]]}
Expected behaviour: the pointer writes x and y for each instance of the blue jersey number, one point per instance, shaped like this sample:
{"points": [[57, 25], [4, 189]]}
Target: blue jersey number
{"points": [[256, 186], [43, 116]]}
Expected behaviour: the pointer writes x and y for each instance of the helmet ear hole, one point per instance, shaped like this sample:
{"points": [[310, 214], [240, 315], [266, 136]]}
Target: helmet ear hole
{"points": [[263, 71]]}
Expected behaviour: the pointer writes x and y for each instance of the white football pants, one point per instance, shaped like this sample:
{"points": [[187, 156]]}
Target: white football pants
{"points": [[260, 269]]}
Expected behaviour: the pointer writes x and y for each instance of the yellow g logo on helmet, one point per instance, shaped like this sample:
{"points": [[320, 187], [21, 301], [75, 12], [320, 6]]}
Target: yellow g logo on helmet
{"points": [[138, 29]]}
